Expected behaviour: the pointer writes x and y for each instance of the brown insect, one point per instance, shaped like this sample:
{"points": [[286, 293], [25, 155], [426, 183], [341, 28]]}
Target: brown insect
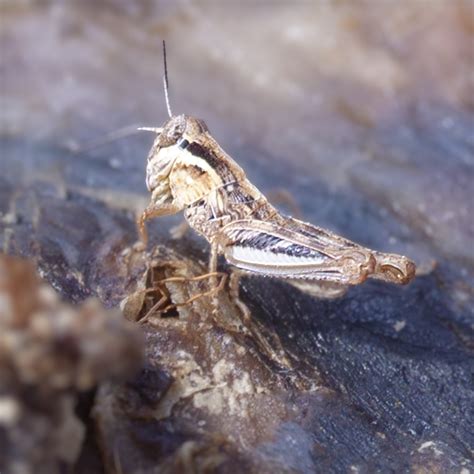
{"points": [[188, 171]]}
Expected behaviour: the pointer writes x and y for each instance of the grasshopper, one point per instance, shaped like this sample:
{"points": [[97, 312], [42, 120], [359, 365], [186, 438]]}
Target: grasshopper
{"points": [[188, 171]]}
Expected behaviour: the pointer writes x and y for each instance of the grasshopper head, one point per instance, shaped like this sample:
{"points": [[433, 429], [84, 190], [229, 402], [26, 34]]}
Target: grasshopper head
{"points": [[178, 128], [172, 140]]}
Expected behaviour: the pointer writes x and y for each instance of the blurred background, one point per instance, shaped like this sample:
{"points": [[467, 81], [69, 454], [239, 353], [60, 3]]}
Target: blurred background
{"points": [[362, 111]]}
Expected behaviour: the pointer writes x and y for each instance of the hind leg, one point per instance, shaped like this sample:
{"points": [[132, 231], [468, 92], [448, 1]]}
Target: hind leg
{"points": [[234, 291]]}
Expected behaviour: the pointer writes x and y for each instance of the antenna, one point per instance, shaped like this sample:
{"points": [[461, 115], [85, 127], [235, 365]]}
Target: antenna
{"points": [[165, 81], [110, 137], [130, 129], [156, 130]]}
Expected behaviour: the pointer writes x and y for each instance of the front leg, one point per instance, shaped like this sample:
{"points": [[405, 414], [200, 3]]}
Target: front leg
{"points": [[152, 211]]}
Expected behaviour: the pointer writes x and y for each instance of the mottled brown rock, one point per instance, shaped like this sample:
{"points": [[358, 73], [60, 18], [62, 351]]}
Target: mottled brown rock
{"points": [[210, 390]]}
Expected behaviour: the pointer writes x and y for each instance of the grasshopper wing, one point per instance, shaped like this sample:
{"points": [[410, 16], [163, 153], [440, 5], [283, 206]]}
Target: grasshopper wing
{"points": [[294, 250], [289, 248]]}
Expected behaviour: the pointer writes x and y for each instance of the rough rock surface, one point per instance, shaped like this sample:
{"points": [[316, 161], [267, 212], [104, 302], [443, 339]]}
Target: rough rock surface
{"points": [[363, 113]]}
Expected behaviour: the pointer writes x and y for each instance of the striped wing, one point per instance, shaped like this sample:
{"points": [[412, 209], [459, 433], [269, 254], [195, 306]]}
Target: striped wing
{"points": [[295, 250]]}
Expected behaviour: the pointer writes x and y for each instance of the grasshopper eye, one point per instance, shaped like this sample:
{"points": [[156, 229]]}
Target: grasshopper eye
{"points": [[172, 131], [176, 132]]}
